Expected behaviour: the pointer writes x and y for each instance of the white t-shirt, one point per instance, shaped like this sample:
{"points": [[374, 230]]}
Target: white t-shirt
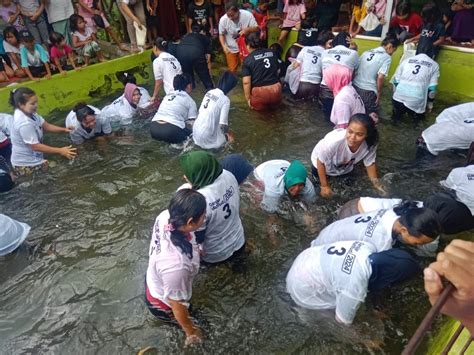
{"points": [[373, 227], [339, 55], [214, 111], [310, 60], [12, 234], [6, 123], [170, 272], [231, 29], [224, 230], [347, 103], [79, 134], [176, 108], [331, 276], [370, 204], [83, 36], [461, 180], [336, 156], [119, 111], [272, 173], [10, 49], [166, 67], [454, 129], [58, 10], [372, 63], [414, 76], [26, 130]]}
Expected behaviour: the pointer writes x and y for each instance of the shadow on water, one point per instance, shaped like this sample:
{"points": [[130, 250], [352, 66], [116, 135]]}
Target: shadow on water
{"points": [[96, 214]]}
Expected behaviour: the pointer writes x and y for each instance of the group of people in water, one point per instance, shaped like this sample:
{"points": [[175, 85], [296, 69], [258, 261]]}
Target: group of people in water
{"points": [[358, 253]]}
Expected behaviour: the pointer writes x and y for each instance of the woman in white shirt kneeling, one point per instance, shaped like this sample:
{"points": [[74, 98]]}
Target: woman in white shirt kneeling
{"points": [[177, 107], [174, 261]]}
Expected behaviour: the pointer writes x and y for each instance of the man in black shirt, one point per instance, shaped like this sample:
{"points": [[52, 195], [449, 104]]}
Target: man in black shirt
{"points": [[200, 13]]}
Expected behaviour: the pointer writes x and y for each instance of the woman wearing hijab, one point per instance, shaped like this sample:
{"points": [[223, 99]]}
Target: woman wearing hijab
{"points": [[211, 128], [280, 178], [338, 64], [222, 234], [124, 108]]}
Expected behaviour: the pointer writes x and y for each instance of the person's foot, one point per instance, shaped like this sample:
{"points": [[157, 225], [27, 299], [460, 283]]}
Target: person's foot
{"points": [[123, 48]]}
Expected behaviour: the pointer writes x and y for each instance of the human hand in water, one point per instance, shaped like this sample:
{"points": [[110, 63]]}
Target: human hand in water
{"points": [[325, 191], [230, 136], [69, 129], [456, 264], [380, 188], [68, 152], [194, 338]]}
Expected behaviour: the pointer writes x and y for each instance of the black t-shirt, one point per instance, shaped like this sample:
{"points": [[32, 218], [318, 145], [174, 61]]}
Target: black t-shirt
{"points": [[200, 14], [430, 33], [193, 46], [308, 36], [262, 66]]}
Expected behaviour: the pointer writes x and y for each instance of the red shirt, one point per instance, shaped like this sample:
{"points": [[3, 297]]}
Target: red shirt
{"points": [[60, 52], [412, 23]]}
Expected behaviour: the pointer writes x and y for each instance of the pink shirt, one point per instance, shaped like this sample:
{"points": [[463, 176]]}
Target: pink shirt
{"points": [[59, 53], [170, 272], [346, 104], [293, 14]]}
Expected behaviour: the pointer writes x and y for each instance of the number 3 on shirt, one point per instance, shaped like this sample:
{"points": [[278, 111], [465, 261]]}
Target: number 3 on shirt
{"points": [[267, 63], [173, 65], [362, 220], [334, 251], [206, 104], [371, 57], [226, 209], [417, 69]]}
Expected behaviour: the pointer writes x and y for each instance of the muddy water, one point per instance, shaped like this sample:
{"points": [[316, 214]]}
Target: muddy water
{"points": [[81, 290]]}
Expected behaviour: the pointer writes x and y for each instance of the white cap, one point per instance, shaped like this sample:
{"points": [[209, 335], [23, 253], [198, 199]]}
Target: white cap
{"points": [[12, 234]]}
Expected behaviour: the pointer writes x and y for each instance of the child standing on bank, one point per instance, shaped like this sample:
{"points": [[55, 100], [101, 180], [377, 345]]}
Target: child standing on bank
{"points": [[84, 39]]}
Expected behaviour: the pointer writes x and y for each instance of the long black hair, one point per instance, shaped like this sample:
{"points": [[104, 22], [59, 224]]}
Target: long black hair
{"points": [[185, 204], [161, 44], [20, 96], [82, 110], [372, 134], [418, 220], [253, 40], [73, 20]]}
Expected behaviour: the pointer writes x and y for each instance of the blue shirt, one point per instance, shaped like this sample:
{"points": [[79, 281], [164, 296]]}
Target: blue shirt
{"points": [[35, 59]]}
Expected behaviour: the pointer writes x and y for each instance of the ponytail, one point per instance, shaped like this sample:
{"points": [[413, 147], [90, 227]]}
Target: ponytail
{"points": [[161, 44], [418, 220], [185, 204], [20, 96]]}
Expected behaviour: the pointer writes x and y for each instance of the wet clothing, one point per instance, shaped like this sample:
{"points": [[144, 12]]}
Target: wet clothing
{"points": [[238, 166], [461, 181], [213, 113], [340, 55], [399, 110], [453, 129], [272, 174], [165, 68], [347, 103], [6, 182], [26, 131], [168, 132], [200, 168], [80, 134], [191, 53], [414, 79], [369, 98], [12, 234], [120, 111], [372, 63], [262, 66], [170, 272], [224, 233], [6, 123], [373, 227], [336, 156], [310, 60], [307, 91], [266, 97]]}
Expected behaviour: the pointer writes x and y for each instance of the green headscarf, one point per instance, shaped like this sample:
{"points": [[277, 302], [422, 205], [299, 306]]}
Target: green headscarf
{"points": [[201, 168], [295, 174]]}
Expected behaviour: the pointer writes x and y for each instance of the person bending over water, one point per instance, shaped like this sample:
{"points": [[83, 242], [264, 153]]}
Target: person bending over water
{"points": [[177, 107], [238, 165], [88, 123], [223, 234], [165, 68], [453, 129], [406, 222], [27, 134], [124, 108], [280, 178], [261, 81], [211, 128], [338, 275], [12, 234], [174, 261], [415, 84], [338, 152], [145, 95], [7, 178]]}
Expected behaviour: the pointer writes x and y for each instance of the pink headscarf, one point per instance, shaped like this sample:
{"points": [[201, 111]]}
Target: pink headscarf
{"points": [[336, 77], [128, 93]]}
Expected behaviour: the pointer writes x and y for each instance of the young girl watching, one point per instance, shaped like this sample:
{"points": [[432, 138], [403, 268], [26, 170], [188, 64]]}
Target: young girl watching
{"points": [[61, 53], [84, 39], [294, 11], [27, 134], [34, 58], [11, 44]]}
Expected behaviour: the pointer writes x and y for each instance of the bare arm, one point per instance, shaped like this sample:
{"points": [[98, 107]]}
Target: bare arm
{"points": [[380, 81], [323, 180], [49, 127], [39, 11], [181, 314], [28, 72], [15, 59], [68, 152], [247, 85], [48, 70], [57, 63], [374, 179], [158, 84], [129, 13], [72, 60], [222, 41]]}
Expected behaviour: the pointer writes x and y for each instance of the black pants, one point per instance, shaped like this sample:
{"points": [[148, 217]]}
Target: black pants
{"points": [[6, 152], [307, 91], [200, 66], [369, 98], [400, 109], [168, 132], [326, 99], [38, 72], [454, 216]]}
